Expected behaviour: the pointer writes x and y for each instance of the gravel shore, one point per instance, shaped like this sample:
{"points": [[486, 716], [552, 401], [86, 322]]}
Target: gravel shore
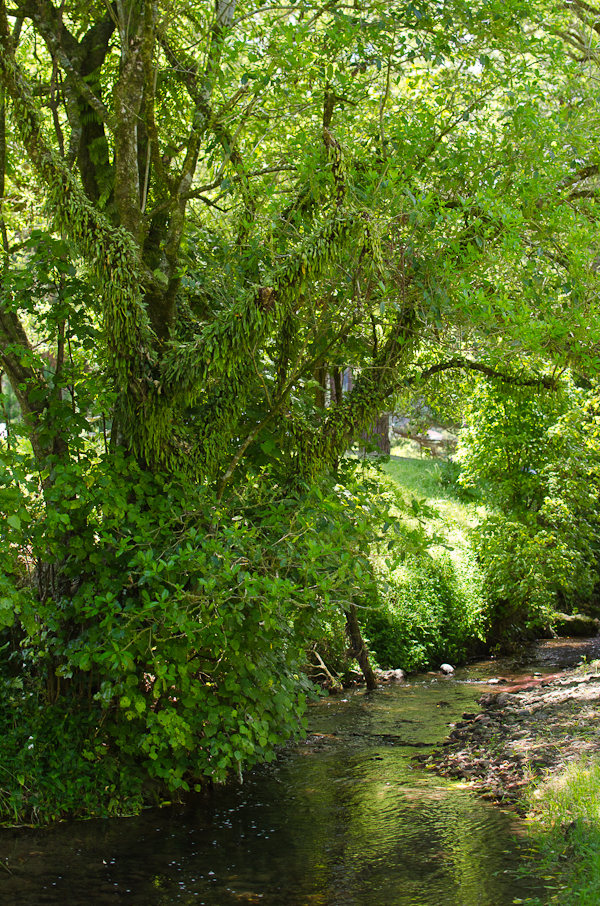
{"points": [[523, 733]]}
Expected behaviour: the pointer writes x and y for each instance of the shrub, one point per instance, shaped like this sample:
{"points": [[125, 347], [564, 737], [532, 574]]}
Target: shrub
{"points": [[55, 760], [431, 610], [164, 632], [536, 457]]}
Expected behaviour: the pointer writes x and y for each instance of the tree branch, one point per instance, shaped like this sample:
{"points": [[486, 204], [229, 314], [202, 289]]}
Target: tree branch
{"points": [[468, 365], [200, 90], [276, 408], [319, 449], [27, 381], [63, 46], [584, 173], [197, 193]]}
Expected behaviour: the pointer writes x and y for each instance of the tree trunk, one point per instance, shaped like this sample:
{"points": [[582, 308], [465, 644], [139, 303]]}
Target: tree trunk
{"points": [[378, 433], [381, 433], [320, 376], [335, 385], [358, 649]]}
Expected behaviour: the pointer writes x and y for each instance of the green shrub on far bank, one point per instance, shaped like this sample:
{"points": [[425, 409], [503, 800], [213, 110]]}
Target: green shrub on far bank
{"points": [[431, 611], [535, 457], [430, 607]]}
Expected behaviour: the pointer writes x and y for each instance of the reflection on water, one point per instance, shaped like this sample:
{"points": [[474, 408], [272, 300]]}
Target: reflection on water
{"points": [[341, 820]]}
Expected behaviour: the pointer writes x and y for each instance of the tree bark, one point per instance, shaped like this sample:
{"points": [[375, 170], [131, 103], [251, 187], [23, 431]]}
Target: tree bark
{"points": [[358, 649], [382, 432], [320, 376], [379, 433], [335, 386]]}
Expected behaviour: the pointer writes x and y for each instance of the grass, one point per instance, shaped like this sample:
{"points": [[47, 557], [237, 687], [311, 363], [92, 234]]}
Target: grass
{"points": [[435, 479], [565, 829], [435, 483], [564, 818], [419, 476]]}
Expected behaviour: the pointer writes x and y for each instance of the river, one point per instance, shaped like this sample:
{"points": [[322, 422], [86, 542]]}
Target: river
{"points": [[341, 819]]}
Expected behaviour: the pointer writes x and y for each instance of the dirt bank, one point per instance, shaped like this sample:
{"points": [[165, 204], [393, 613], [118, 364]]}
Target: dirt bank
{"points": [[523, 732]]}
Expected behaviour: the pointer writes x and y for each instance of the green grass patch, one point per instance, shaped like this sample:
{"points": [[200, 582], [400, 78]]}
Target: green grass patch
{"points": [[436, 481], [565, 827], [420, 477]]}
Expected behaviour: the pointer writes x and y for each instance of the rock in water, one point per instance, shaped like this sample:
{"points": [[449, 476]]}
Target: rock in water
{"points": [[447, 669], [390, 676]]}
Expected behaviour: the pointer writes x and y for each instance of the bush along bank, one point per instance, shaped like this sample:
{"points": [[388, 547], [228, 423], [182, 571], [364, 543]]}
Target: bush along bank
{"points": [[179, 643], [430, 611], [536, 748], [430, 605]]}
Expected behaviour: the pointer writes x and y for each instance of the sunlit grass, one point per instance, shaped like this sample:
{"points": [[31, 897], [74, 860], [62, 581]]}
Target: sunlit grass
{"points": [[419, 476], [565, 825], [430, 480]]}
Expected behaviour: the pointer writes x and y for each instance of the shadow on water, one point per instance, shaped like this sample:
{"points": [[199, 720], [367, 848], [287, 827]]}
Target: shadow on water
{"points": [[342, 819]]}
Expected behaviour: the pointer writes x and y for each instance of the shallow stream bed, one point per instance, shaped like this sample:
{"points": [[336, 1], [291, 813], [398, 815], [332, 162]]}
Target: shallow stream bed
{"points": [[342, 819]]}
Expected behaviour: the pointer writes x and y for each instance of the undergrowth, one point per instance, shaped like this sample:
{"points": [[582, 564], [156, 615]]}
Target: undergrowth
{"points": [[565, 827], [430, 608], [168, 649], [57, 762]]}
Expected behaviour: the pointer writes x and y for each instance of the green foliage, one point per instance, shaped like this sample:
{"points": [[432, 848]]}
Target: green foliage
{"points": [[180, 630], [448, 475], [55, 761], [111, 251], [565, 830], [535, 457], [376, 189], [336, 187], [429, 606], [505, 445], [431, 611]]}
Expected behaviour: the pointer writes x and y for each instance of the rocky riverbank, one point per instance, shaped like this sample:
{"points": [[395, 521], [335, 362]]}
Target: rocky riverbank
{"points": [[524, 733]]}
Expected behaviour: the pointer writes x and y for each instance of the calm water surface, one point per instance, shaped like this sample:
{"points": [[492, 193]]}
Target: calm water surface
{"points": [[342, 819]]}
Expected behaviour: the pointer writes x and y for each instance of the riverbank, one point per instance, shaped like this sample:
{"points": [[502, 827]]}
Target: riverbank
{"points": [[523, 733], [535, 746]]}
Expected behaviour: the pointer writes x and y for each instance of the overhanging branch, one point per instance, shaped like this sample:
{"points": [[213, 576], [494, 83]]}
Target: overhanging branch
{"points": [[494, 373]]}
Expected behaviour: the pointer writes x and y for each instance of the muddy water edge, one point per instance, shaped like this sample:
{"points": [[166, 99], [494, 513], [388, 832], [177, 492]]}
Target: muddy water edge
{"points": [[344, 818]]}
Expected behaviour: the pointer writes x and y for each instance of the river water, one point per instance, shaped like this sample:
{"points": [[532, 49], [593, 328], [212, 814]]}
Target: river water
{"points": [[341, 819]]}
